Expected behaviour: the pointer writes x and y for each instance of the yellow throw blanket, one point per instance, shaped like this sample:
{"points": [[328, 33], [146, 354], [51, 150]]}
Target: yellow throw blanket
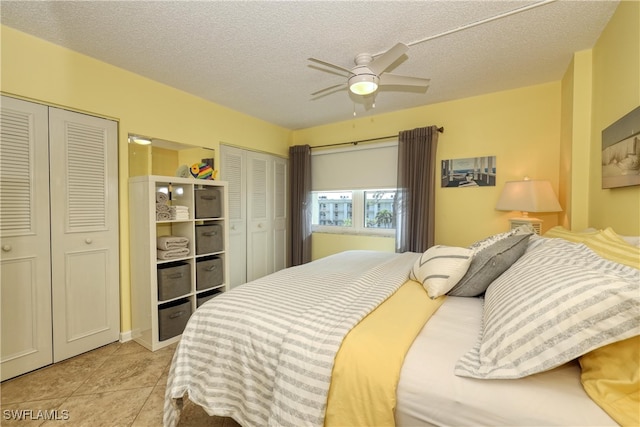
{"points": [[367, 367]]}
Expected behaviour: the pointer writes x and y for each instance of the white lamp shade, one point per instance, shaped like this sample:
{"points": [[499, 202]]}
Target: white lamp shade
{"points": [[528, 196]]}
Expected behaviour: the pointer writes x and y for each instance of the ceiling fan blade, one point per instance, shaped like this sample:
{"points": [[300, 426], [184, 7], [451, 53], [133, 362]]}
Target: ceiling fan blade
{"points": [[394, 79], [330, 71], [383, 62], [328, 88], [329, 64]]}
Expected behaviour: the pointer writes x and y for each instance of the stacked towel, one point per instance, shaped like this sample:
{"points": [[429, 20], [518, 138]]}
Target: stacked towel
{"points": [[171, 242], [173, 253], [162, 207], [179, 212], [169, 247], [162, 197], [163, 216]]}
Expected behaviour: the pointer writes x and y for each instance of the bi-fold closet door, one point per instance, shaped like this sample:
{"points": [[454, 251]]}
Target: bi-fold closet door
{"points": [[257, 187], [59, 258]]}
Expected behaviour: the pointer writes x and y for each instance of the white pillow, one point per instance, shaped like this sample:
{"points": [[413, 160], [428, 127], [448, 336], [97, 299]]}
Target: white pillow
{"points": [[559, 301], [440, 268]]}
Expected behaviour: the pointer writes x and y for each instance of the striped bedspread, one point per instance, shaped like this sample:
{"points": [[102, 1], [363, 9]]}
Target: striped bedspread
{"points": [[263, 353]]}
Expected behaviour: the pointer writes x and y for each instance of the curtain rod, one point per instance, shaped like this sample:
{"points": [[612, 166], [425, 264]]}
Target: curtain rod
{"points": [[440, 129]]}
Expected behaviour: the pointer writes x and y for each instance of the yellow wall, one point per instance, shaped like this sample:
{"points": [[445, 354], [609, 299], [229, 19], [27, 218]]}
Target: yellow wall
{"points": [[616, 91], [520, 127], [575, 142], [139, 160], [163, 161], [41, 71], [324, 244]]}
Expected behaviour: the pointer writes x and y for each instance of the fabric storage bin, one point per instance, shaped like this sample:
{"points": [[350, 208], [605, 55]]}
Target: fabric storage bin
{"points": [[174, 279], [209, 239], [209, 272], [173, 318], [206, 296], [208, 202]]}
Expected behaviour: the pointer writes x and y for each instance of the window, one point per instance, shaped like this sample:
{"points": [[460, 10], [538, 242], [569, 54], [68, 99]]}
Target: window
{"points": [[337, 207], [378, 209], [333, 211], [332, 208]]}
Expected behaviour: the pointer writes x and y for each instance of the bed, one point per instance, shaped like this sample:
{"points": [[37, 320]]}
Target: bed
{"points": [[513, 330]]}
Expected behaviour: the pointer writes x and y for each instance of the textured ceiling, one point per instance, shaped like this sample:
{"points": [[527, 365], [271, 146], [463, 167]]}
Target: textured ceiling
{"points": [[251, 56]]}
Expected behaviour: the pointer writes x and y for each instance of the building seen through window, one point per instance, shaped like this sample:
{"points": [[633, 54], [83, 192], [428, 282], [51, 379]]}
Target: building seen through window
{"points": [[379, 208], [356, 210]]}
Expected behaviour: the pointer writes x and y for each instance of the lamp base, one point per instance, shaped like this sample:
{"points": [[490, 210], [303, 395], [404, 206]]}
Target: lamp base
{"points": [[534, 223]]}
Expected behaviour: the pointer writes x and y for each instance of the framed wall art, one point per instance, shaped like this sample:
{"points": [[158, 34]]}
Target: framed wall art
{"points": [[621, 152], [469, 172]]}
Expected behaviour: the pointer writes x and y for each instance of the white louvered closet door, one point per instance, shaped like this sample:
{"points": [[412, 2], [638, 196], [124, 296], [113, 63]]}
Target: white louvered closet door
{"points": [[257, 188], [84, 232], [280, 208], [25, 266], [233, 171], [259, 211]]}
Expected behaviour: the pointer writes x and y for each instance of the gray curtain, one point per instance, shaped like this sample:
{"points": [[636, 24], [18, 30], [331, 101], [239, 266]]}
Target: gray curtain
{"points": [[300, 197], [415, 199]]}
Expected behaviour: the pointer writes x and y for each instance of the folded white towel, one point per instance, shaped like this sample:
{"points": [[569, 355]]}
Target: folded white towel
{"points": [[179, 213], [173, 253], [162, 197], [161, 207], [163, 216], [171, 242]]}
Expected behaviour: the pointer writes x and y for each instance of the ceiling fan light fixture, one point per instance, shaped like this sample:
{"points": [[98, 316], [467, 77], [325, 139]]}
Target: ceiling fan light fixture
{"points": [[363, 84]]}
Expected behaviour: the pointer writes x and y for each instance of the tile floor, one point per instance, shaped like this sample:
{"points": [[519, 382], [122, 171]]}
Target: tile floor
{"points": [[121, 384]]}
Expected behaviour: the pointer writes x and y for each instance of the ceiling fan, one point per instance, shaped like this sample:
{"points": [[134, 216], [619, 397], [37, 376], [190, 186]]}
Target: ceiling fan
{"points": [[369, 73]]}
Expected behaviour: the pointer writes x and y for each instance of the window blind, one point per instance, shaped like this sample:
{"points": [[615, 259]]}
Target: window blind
{"points": [[355, 168]]}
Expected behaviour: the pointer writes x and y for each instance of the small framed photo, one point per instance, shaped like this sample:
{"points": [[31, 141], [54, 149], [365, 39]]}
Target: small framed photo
{"points": [[469, 172]]}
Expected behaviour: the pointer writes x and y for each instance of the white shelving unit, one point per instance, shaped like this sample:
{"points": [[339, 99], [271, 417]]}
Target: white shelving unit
{"points": [[144, 228]]}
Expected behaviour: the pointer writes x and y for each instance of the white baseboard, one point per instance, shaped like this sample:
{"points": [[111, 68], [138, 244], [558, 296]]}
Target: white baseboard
{"points": [[126, 336]]}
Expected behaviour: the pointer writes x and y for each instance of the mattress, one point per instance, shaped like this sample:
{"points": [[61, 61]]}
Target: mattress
{"points": [[430, 394]]}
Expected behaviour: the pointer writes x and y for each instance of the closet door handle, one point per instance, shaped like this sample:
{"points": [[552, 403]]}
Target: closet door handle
{"points": [[7, 248], [260, 225], [88, 240]]}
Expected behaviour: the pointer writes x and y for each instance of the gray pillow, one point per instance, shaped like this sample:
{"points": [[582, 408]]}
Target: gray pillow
{"points": [[488, 264]]}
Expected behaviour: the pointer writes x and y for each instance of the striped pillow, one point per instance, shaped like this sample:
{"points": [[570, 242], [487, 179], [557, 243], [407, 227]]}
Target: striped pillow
{"points": [[440, 268], [559, 232], [606, 243], [559, 301], [611, 246]]}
